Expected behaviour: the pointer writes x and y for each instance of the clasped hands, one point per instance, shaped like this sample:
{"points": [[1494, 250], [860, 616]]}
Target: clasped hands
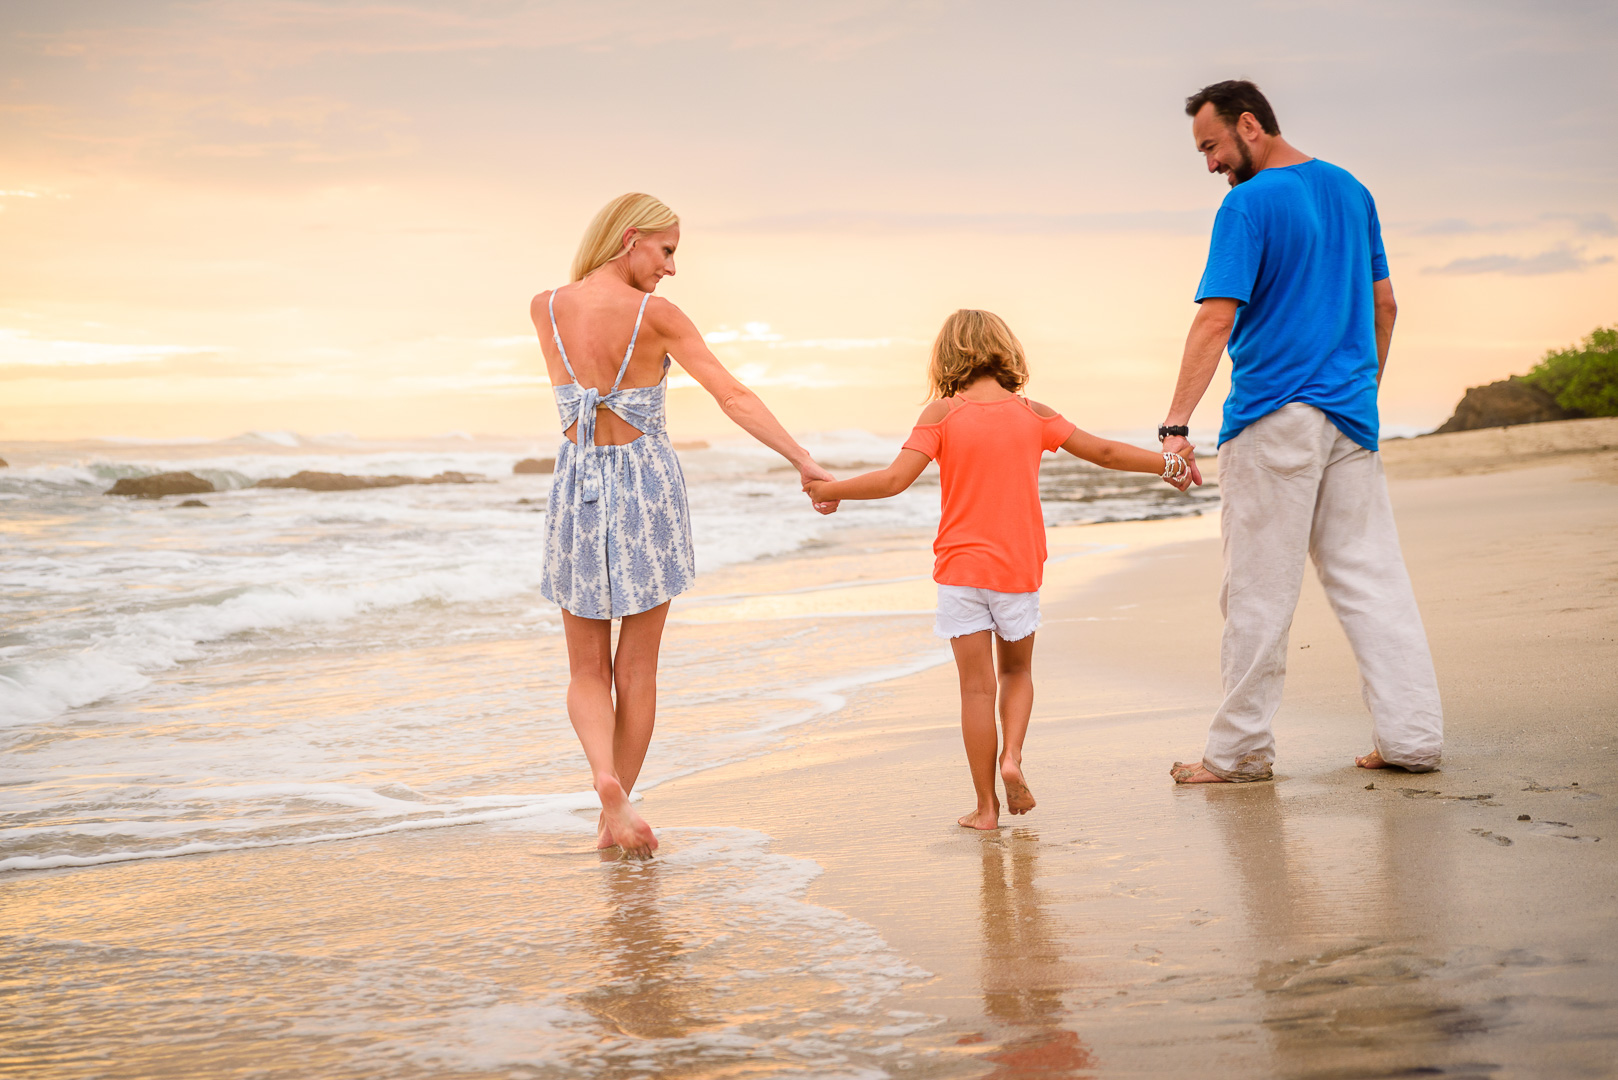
{"points": [[812, 473], [1176, 444]]}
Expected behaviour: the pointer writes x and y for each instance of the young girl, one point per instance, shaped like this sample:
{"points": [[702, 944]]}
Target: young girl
{"points": [[990, 551]]}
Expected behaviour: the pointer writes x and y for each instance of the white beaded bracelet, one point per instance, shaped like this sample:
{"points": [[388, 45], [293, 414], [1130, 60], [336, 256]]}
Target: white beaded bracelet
{"points": [[1174, 466]]}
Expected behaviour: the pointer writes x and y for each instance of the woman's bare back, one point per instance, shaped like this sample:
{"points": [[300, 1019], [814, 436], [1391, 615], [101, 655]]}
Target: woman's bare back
{"points": [[595, 319]]}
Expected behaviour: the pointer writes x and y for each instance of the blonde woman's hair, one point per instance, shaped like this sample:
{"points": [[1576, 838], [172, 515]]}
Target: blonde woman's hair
{"points": [[603, 240], [973, 344]]}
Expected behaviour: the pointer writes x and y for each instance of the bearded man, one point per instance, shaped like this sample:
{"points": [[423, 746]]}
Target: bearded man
{"points": [[1297, 287]]}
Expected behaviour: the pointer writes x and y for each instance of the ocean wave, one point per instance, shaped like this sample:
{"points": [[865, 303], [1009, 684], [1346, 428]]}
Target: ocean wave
{"points": [[121, 654], [558, 811]]}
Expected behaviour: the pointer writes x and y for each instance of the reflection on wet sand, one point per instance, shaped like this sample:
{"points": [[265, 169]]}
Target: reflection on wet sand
{"points": [[1024, 974], [1344, 986], [646, 991]]}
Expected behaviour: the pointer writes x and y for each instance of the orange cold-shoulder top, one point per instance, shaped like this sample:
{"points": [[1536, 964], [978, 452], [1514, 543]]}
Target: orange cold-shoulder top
{"points": [[991, 530]]}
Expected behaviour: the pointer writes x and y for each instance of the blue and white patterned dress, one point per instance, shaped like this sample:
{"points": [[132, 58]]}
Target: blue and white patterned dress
{"points": [[618, 528]]}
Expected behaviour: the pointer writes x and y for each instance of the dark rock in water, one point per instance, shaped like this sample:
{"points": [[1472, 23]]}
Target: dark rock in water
{"points": [[534, 465], [1503, 404], [3, 464], [192, 502], [327, 481], [161, 484]]}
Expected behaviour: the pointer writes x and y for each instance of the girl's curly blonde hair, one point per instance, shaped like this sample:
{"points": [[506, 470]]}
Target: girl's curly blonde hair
{"points": [[973, 344]]}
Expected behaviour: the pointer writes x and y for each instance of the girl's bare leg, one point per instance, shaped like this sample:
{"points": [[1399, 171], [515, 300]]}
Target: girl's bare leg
{"points": [[974, 662], [1015, 661], [589, 706]]}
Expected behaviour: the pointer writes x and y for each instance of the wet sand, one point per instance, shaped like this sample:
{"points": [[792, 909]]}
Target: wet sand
{"points": [[1335, 923]]}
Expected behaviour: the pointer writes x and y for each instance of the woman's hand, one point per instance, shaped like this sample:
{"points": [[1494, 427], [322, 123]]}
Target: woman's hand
{"points": [[811, 474]]}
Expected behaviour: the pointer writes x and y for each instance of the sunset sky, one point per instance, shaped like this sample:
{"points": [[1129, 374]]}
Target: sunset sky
{"points": [[320, 216]]}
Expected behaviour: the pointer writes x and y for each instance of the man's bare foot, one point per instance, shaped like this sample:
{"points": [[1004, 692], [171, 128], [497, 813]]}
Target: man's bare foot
{"points": [[1019, 800], [624, 826], [1373, 760], [1194, 774], [983, 818]]}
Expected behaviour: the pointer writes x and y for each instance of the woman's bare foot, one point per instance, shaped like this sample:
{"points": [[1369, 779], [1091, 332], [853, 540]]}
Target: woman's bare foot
{"points": [[624, 826], [1019, 800], [1194, 774], [983, 818], [604, 838]]}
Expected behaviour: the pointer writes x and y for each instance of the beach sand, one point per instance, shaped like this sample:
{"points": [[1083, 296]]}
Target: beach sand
{"points": [[1334, 923]]}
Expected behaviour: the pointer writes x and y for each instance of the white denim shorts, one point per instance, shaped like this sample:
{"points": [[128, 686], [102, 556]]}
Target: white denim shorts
{"points": [[963, 609]]}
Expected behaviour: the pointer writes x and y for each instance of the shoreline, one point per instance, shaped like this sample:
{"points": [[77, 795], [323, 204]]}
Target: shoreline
{"points": [[1332, 922]]}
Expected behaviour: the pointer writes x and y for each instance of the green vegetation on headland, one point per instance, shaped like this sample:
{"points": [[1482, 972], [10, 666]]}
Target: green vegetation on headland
{"points": [[1567, 384], [1582, 379]]}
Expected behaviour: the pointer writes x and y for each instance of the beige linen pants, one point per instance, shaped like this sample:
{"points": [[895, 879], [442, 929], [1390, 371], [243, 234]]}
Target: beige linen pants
{"points": [[1291, 483]]}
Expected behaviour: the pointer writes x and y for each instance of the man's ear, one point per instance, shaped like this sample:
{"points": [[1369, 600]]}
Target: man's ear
{"points": [[1248, 127]]}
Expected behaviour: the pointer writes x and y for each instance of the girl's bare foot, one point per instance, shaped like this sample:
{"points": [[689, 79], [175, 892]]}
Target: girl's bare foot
{"points": [[983, 818], [624, 826], [1194, 774], [1019, 800], [1373, 760], [604, 838]]}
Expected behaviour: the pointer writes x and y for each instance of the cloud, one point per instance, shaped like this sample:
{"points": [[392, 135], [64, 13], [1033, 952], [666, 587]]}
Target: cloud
{"points": [[275, 34], [1177, 222], [1559, 260], [22, 349], [1595, 224], [810, 377], [760, 332], [1460, 227]]}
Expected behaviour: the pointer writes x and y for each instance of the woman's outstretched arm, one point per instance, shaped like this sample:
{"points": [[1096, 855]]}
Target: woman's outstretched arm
{"points": [[738, 402]]}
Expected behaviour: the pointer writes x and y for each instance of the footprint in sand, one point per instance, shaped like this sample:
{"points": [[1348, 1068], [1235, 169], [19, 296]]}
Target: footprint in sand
{"points": [[1562, 830], [1503, 841]]}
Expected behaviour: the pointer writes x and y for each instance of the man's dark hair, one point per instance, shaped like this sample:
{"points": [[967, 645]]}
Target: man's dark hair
{"points": [[1230, 99]]}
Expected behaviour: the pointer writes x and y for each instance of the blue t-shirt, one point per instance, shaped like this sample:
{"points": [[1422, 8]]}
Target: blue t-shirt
{"points": [[1298, 247]]}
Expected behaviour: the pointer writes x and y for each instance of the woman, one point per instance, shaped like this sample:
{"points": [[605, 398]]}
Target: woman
{"points": [[618, 530]]}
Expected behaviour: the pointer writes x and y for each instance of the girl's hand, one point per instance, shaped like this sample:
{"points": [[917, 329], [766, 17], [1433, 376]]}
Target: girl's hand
{"points": [[1174, 444], [812, 476]]}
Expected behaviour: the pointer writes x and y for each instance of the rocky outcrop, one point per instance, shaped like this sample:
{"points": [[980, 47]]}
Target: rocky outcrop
{"points": [[1504, 404], [160, 484], [328, 481], [3, 464], [529, 466], [192, 502]]}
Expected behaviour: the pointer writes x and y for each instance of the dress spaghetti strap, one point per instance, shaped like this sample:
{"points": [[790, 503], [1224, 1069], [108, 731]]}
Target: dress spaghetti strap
{"points": [[633, 337], [556, 336]]}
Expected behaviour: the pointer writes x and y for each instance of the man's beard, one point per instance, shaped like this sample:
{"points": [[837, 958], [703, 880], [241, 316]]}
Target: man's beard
{"points": [[1245, 171]]}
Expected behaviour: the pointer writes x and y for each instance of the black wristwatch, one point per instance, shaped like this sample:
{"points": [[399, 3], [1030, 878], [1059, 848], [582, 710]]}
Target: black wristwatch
{"points": [[1165, 430]]}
